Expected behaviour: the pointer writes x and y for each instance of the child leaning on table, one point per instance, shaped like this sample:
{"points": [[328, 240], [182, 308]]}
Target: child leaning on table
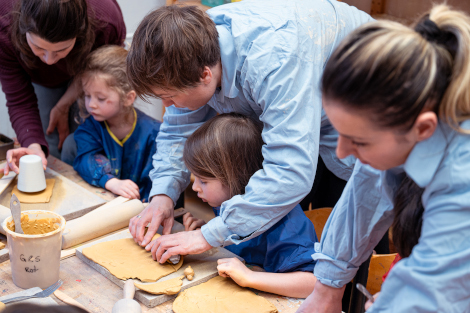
{"points": [[222, 155], [116, 142]]}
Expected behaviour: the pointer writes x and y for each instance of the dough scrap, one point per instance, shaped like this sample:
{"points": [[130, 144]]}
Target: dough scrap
{"points": [[2, 306], [125, 259], [167, 287], [2, 245], [189, 273], [221, 295], [36, 197]]}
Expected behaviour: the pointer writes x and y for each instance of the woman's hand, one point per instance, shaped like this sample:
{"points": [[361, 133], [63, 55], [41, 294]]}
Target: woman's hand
{"points": [[123, 187], [191, 223], [59, 118], [369, 304], [236, 270], [14, 155]]}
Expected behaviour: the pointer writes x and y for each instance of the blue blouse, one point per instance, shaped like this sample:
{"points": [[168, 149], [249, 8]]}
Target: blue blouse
{"points": [[436, 276]]}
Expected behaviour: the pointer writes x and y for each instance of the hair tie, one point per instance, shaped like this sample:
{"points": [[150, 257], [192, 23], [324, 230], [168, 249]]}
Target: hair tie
{"points": [[429, 30]]}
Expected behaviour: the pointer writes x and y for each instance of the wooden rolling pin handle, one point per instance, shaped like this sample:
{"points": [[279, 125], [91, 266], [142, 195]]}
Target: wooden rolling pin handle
{"points": [[129, 289], [69, 300]]}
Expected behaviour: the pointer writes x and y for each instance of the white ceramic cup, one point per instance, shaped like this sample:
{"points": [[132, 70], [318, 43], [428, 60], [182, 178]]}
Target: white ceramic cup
{"points": [[31, 177], [35, 259]]}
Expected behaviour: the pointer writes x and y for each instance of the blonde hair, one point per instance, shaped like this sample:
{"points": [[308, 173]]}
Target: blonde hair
{"points": [[397, 71], [107, 63]]}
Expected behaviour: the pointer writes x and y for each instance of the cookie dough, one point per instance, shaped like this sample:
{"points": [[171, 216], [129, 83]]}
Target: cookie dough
{"points": [[221, 295], [36, 227], [125, 259], [167, 287], [36, 197], [189, 273], [2, 306]]}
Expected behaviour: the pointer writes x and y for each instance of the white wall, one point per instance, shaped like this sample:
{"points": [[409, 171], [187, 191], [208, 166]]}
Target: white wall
{"points": [[134, 12]]}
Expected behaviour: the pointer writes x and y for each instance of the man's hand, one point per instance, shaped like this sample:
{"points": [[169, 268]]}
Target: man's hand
{"points": [[235, 269], [323, 299], [187, 242], [192, 223], [14, 155], [59, 118], [160, 211], [123, 187]]}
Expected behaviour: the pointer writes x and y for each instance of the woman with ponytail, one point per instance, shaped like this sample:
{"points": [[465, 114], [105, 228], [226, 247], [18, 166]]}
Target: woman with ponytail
{"points": [[399, 98]]}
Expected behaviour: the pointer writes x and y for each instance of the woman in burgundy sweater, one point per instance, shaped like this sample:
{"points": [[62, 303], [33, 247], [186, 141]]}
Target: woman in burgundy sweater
{"points": [[42, 47]]}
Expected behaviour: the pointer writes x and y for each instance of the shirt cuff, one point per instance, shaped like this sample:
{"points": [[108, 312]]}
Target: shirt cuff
{"points": [[166, 186], [217, 233], [330, 272], [104, 179]]}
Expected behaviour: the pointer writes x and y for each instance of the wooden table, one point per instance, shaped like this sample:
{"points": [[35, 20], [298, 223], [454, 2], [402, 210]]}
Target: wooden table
{"points": [[92, 289]]}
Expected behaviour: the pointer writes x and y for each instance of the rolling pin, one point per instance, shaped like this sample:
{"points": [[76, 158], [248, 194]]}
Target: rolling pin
{"points": [[127, 304], [100, 221]]}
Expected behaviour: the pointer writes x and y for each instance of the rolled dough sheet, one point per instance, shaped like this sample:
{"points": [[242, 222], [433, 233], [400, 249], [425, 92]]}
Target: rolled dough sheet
{"points": [[36, 197], [221, 295], [125, 259], [167, 287]]}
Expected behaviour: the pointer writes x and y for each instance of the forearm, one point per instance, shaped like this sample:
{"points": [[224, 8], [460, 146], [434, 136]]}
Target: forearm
{"points": [[70, 96], [294, 284], [324, 299]]}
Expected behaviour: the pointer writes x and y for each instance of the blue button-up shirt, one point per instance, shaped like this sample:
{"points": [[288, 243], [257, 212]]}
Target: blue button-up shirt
{"points": [[272, 53], [436, 276]]}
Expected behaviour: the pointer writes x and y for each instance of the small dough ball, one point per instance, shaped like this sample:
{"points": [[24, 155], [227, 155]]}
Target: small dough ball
{"points": [[2, 306], [189, 273]]}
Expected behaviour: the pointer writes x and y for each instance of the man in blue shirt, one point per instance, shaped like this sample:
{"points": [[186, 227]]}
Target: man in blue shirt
{"points": [[260, 58]]}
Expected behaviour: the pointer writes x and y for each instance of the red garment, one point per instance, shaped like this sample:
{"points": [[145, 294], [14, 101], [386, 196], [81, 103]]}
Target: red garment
{"points": [[395, 261], [16, 78]]}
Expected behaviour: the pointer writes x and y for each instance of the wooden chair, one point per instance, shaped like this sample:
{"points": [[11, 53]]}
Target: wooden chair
{"points": [[319, 218], [379, 265]]}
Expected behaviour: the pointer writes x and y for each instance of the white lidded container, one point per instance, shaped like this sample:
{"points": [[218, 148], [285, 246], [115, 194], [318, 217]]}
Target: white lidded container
{"points": [[31, 177], [35, 259]]}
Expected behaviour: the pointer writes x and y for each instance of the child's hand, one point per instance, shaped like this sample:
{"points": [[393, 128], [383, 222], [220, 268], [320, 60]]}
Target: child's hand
{"points": [[125, 187], [192, 223], [234, 269]]}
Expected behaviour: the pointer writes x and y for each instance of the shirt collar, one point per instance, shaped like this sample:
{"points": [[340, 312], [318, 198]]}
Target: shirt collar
{"points": [[423, 161], [229, 60]]}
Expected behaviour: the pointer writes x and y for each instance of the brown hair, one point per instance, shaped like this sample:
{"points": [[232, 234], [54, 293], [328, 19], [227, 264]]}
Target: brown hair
{"points": [[396, 71], [170, 49], [108, 63], [228, 148], [54, 21]]}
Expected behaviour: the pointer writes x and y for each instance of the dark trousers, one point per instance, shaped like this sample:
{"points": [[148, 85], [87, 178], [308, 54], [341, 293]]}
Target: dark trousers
{"points": [[326, 189]]}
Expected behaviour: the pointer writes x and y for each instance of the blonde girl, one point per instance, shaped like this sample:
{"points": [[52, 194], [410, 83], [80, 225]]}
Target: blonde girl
{"points": [[116, 142], [399, 98]]}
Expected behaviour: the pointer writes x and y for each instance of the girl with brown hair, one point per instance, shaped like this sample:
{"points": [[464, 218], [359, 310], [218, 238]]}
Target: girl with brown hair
{"points": [[222, 155], [400, 100], [42, 47], [116, 141]]}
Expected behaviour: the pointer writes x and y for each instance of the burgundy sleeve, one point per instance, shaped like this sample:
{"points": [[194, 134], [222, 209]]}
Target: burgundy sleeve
{"points": [[21, 101]]}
